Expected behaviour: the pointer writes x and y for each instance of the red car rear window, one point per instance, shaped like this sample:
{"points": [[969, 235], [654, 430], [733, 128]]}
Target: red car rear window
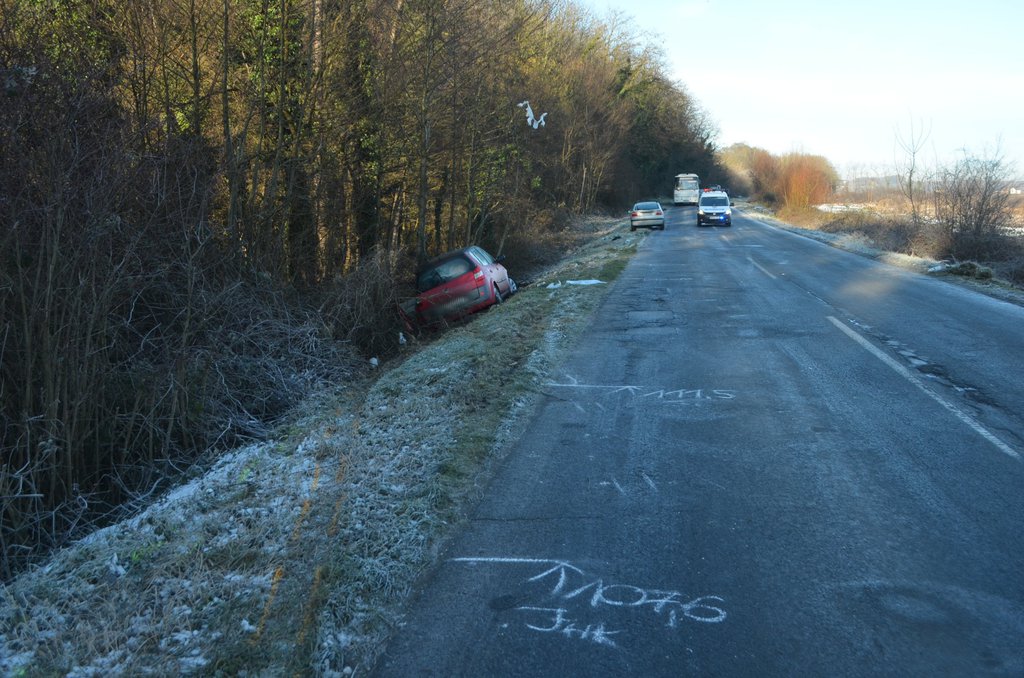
{"points": [[443, 271]]}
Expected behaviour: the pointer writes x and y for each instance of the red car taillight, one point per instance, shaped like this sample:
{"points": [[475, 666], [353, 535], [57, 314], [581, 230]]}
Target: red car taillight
{"points": [[634, 214]]}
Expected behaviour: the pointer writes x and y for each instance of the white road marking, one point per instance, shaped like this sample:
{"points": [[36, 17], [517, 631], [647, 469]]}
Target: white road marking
{"points": [[527, 561], [762, 269], [909, 376]]}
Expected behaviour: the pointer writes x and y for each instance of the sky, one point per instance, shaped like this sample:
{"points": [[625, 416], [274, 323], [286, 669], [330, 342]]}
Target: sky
{"points": [[849, 80]]}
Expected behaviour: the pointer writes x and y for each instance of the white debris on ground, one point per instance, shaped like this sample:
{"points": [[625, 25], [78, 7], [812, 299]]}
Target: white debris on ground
{"points": [[557, 284], [838, 208]]}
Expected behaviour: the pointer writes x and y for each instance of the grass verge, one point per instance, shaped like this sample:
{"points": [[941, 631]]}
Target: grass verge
{"points": [[295, 556]]}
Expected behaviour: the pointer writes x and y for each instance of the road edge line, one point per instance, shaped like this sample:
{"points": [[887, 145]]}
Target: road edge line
{"points": [[906, 374]]}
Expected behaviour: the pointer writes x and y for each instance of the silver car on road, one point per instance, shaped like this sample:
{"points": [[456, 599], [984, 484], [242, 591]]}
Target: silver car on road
{"points": [[648, 214]]}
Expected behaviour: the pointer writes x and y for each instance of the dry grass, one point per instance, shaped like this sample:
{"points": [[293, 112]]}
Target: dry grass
{"points": [[804, 217], [294, 557]]}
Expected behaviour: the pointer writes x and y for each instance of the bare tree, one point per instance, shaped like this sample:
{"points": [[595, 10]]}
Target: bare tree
{"points": [[908, 169]]}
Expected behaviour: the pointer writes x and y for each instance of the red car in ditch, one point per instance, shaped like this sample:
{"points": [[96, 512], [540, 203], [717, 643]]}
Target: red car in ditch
{"points": [[456, 284]]}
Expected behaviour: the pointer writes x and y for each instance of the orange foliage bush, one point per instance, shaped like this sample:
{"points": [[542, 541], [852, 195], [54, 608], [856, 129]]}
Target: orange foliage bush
{"points": [[795, 180], [805, 180]]}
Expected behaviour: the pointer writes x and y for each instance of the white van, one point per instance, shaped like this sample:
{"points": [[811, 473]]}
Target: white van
{"points": [[714, 208]]}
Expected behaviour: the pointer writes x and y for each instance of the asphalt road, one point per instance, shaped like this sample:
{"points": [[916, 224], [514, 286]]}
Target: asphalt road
{"points": [[767, 457]]}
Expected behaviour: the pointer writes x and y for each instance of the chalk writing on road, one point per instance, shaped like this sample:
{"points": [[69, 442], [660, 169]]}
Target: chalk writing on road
{"points": [[566, 593], [672, 395], [560, 624]]}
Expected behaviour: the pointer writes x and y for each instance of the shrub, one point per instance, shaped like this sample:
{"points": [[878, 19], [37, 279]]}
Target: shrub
{"points": [[541, 237], [973, 205], [1014, 272], [970, 269], [362, 308]]}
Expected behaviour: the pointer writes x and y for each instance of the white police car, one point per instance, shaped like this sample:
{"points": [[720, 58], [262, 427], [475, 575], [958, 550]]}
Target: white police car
{"points": [[714, 208]]}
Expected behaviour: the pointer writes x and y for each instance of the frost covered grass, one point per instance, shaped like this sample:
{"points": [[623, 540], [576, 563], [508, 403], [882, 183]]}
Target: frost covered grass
{"points": [[295, 556]]}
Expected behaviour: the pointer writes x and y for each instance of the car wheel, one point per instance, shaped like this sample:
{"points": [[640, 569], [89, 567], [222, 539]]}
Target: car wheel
{"points": [[497, 295], [632, 228], [512, 287]]}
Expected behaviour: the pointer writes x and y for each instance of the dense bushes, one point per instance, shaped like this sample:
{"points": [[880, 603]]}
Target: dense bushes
{"points": [[131, 341]]}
